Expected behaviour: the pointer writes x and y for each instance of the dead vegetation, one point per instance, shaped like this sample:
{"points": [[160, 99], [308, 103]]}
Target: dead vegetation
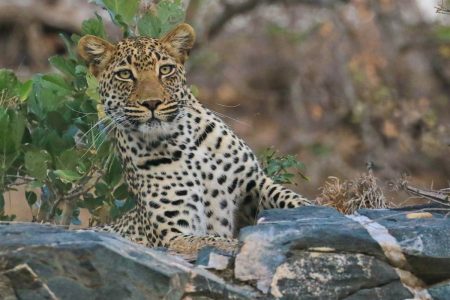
{"points": [[350, 195], [366, 191]]}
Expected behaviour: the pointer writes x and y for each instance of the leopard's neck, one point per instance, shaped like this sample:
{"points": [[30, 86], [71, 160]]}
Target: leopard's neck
{"points": [[141, 153]]}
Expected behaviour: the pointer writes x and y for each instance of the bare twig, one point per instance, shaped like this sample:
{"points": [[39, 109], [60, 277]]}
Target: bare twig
{"points": [[82, 192], [440, 196], [67, 212], [232, 10], [76, 193], [54, 205], [442, 9], [431, 195]]}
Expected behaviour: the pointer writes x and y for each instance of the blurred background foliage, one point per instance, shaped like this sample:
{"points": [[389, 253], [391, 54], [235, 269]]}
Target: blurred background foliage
{"points": [[335, 83]]}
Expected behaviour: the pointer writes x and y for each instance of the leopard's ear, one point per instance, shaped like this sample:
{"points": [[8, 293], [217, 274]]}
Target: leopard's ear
{"points": [[179, 41], [96, 52]]}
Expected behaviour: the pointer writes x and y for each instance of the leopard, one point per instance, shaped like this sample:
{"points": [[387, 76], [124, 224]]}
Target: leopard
{"points": [[196, 183]]}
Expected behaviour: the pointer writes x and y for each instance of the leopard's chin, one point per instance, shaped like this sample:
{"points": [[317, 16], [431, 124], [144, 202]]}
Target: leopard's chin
{"points": [[153, 122], [155, 130]]}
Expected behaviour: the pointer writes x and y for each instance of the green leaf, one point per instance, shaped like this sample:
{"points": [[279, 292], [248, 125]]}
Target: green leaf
{"points": [[31, 197], [49, 94], [55, 120], [67, 176], [149, 25], [68, 160], [121, 192], [94, 26], [127, 9], [92, 202], [56, 83], [113, 173], [272, 168], [101, 189], [50, 140], [92, 89], [35, 185], [44, 100], [83, 165], [8, 81], [12, 128], [36, 163], [170, 13], [69, 45], [11, 89], [155, 23], [66, 66], [279, 167], [25, 90]]}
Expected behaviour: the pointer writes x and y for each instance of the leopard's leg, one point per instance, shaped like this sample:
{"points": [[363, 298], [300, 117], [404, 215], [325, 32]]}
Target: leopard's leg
{"points": [[273, 195], [130, 226]]}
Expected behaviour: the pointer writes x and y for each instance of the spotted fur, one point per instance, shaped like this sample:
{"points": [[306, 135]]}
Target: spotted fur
{"points": [[196, 182]]}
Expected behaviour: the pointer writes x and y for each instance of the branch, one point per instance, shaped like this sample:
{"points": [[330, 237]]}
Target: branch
{"points": [[230, 11], [431, 195], [81, 192], [75, 193], [442, 9], [67, 212], [440, 196]]}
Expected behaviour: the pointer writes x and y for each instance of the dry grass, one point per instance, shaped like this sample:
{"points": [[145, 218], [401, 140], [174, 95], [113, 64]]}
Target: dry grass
{"points": [[349, 195]]}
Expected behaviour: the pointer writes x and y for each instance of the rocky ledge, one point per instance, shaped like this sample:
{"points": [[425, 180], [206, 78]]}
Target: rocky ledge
{"points": [[304, 253]]}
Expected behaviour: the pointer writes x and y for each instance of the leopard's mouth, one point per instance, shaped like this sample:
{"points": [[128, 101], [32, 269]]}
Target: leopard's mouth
{"points": [[153, 121]]}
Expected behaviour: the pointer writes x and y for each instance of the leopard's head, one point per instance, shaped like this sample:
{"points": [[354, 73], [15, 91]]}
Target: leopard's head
{"points": [[142, 81]]}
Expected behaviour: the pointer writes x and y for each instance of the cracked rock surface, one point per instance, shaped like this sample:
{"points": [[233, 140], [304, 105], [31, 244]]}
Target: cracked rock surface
{"points": [[305, 253]]}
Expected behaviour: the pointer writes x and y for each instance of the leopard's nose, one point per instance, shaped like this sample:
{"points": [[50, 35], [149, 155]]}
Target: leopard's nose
{"points": [[151, 104]]}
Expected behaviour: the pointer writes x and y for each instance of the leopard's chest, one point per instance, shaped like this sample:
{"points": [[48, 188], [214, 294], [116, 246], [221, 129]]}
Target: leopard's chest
{"points": [[202, 175]]}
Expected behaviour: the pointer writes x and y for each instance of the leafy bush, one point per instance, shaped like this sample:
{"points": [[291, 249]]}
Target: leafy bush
{"points": [[281, 168], [54, 138], [51, 136]]}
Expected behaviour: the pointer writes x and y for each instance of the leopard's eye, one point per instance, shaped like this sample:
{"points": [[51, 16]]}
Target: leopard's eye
{"points": [[124, 75], [166, 70]]}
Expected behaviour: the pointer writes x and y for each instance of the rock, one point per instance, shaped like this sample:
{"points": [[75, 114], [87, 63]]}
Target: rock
{"points": [[304, 253], [440, 291], [425, 242], [212, 258], [317, 229], [318, 253], [391, 290], [43, 262], [331, 276]]}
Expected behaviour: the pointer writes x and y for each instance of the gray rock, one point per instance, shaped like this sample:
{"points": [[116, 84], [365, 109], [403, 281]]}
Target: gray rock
{"points": [[305, 253], [41, 261], [317, 229], [212, 258], [391, 290], [425, 242], [316, 275], [303, 214], [314, 226], [440, 291], [318, 253]]}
